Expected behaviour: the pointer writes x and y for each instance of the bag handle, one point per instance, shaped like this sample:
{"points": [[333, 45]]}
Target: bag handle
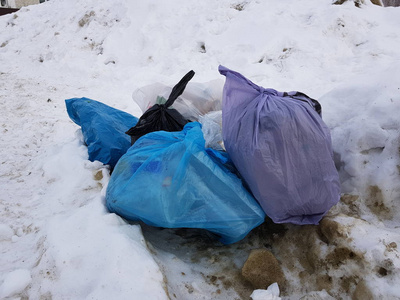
{"points": [[179, 88]]}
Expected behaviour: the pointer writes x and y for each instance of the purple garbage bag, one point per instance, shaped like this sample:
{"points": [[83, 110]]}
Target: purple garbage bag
{"points": [[282, 149]]}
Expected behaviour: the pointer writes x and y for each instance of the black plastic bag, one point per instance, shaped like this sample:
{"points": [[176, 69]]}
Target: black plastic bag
{"points": [[160, 116]]}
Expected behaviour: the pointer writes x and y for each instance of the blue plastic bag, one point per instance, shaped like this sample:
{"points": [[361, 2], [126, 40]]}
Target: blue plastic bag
{"points": [[282, 148], [103, 128], [169, 179]]}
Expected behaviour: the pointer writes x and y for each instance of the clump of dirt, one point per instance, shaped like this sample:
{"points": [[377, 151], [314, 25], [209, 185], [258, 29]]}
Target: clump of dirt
{"points": [[262, 269], [357, 3], [362, 292], [391, 247], [324, 282], [299, 248], [86, 18], [376, 2], [230, 278], [239, 6], [340, 255], [385, 268], [332, 231], [98, 175], [375, 201], [351, 203]]}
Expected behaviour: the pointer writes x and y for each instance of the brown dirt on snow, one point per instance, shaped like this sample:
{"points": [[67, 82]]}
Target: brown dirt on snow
{"points": [[262, 269], [376, 203]]}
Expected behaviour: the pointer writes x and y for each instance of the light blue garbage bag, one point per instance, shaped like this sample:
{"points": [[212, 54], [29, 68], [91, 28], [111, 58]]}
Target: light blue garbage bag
{"points": [[169, 179], [282, 149], [103, 128]]}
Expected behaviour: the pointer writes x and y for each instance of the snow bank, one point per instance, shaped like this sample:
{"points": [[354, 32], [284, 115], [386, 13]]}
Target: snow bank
{"points": [[365, 135]]}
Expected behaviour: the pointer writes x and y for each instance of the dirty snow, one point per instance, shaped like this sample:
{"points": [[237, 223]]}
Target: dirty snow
{"points": [[58, 241]]}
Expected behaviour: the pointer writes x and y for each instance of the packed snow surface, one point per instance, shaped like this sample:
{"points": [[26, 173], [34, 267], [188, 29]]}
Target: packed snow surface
{"points": [[57, 240]]}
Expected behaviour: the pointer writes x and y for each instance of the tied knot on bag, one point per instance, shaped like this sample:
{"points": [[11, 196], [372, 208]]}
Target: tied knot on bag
{"points": [[159, 117], [270, 92]]}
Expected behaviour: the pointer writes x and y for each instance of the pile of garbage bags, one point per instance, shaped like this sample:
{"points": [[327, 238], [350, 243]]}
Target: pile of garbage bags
{"points": [[194, 161]]}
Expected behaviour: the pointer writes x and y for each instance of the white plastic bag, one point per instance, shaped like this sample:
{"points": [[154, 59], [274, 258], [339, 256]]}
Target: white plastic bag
{"points": [[197, 100], [212, 129], [272, 293]]}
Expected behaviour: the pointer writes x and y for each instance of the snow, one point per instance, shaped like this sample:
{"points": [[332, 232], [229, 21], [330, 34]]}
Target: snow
{"points": [[15, 282], [57, 239], [6, 233]]}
